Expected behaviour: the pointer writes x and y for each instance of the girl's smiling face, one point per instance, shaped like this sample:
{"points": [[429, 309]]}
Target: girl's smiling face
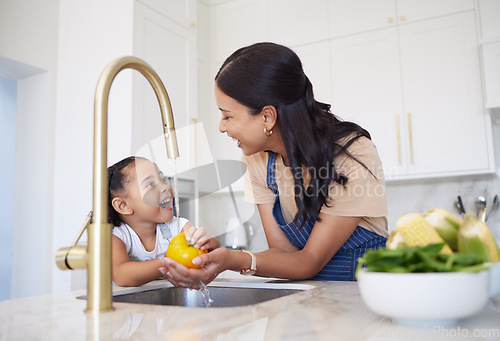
{"points": [[148, 194]]}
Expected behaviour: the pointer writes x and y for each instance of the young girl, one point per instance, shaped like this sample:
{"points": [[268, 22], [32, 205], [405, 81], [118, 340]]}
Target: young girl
{"points": [[141, 210], [317, 180]]}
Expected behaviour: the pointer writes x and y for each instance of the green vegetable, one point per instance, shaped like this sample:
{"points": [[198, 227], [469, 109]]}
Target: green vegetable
{"points": [[420, 259]]}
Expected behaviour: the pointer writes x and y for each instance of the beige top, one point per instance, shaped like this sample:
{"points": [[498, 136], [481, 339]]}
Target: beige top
{"points": [[363, 195]]}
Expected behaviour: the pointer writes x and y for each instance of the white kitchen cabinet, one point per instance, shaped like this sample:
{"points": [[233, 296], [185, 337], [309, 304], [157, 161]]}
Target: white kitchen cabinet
{"points": [[413, 81], [414, 10], [491, 65], [232, 25], [316, 64], [170, 47], [366, 83], [416, 89], [489, 11], [356, 16], [236, 24], [297, 22], [181, 11], [442, 91]]}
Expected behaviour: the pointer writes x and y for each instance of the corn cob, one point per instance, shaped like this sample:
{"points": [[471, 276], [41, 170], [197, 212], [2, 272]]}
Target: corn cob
{"points": [[395, 239], [474, 236], [445, 224], [417, 232]]}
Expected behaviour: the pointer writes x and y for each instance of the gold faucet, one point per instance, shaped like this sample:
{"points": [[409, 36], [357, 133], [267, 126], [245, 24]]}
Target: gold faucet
{"points": [[96, 258]]}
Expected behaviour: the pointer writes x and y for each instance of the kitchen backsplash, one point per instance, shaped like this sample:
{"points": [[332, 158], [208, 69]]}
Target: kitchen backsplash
{"points": [[406, 198], [217, 209]]}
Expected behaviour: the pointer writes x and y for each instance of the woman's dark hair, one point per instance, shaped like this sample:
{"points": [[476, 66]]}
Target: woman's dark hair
{"points": [[116, 184], [271, 74]]}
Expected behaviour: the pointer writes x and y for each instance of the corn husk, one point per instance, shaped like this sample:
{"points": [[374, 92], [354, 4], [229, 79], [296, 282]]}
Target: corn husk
{"points": [[474, 236], [395, 240], [446, 225]]}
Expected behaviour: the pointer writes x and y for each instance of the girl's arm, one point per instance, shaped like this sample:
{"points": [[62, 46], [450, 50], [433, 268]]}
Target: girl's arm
{"points": [[128, 274]]}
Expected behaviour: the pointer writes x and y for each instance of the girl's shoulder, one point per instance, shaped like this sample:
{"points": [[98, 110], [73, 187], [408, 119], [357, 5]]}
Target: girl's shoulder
{"points": [[120, 230], [124, 233]]}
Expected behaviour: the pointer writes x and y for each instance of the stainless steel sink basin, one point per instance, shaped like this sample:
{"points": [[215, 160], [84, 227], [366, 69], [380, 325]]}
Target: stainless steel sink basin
{"points": [[223, 294]]}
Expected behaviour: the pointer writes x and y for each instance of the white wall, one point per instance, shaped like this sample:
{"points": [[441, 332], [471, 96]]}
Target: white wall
{"points": [[32, 230], [57, 50], [28, 54], [8, 98]]}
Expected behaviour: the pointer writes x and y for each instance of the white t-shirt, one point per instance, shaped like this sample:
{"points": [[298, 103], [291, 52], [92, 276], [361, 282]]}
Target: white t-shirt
{"points": [[136, 251]]}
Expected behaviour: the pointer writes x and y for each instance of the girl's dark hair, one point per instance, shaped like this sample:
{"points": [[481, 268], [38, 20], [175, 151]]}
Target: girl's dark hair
{"points": [[271, 74], [116, 184]]}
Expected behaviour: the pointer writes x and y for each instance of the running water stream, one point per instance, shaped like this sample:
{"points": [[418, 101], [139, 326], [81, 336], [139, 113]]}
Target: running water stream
{"points": [[203, 288], [176, 197], [206, 295]]}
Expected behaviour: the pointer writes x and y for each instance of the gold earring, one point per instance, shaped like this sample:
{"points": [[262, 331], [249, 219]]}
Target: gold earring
{"points": [[268, 133]]}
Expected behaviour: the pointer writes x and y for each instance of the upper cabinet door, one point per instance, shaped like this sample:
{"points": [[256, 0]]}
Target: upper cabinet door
{"points": [[491, 60], [442, 96], [237, 24], [316, 64], [171, 50], [489, 11], [366, 83], [298, 22], [355, 16], [413, 10], [181, 11]]}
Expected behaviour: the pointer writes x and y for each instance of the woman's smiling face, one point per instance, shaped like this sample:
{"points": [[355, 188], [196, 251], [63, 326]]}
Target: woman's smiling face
{"points": [[240, 124]]}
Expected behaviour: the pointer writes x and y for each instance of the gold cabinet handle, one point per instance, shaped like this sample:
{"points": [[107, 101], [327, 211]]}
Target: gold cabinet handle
{"points": [[195, 121], [402, 17], [399, 139], [390, 20], [410, 138]]}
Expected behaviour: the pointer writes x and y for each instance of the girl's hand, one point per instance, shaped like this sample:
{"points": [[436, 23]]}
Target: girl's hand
{"points": [[213, 263], [200, 237]]}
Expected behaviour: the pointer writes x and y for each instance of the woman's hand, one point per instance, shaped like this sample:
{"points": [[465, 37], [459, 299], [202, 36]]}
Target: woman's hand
{"points": [[200, 238], [212, 264]]}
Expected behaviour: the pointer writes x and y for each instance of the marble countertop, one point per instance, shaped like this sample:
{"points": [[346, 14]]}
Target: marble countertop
{"points": [[331, 310]]}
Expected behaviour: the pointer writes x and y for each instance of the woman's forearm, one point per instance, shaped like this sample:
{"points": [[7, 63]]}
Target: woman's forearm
{"points": [[278, 263], [298, 264]]}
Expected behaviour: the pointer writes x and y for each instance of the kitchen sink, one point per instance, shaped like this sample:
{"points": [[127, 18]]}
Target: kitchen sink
{"points": [[222, 295]]}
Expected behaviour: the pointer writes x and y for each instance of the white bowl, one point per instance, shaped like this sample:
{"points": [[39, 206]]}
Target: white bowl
{"points": [[495, 280], [425, 299]]}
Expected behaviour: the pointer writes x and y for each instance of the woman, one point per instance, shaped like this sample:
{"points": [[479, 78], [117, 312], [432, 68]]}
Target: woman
{"points": [[317, 181]]}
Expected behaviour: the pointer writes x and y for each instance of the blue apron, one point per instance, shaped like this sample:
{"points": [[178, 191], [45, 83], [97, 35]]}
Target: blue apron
{"points": [[343, 264]]}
